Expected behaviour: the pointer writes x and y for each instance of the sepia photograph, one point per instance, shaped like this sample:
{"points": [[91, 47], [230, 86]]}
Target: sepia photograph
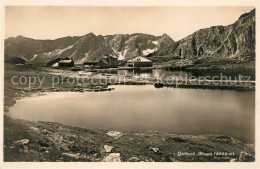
{"points": [[93, 83]]}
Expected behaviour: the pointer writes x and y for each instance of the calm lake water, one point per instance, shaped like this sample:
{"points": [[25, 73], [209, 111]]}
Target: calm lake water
{"points": [[233, 73], [145, 108]]}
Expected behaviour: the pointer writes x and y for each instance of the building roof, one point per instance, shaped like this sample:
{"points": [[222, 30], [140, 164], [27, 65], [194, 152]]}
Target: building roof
{"points": [[109, 56], [113, 56], [139, 59], [65, 61], [55, 65]]}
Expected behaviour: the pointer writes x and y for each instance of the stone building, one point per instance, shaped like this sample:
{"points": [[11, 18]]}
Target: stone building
{"points": [[108, 61]]}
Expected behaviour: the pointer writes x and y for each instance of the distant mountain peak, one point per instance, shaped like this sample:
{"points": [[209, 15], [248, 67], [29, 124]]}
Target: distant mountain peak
{"points": [[20, 36], [252, 12], [164, 34], [89, 35]]}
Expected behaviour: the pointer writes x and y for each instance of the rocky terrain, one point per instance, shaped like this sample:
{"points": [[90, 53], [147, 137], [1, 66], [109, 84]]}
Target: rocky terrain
{"points": [[235, 41], [46, 141]]}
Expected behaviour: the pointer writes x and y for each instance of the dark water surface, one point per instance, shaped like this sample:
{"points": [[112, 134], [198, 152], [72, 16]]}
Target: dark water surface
{"points": [[145, 108], [230, 74]]}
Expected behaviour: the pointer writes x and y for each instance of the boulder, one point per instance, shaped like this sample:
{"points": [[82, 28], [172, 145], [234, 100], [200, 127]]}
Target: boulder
{"points": [[76, 156], [155, 150], [108, 148], [22, 142], [134, 159], [112, 157], [116, 134]]}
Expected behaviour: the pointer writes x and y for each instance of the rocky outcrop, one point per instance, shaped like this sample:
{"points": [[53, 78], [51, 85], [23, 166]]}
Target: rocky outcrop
{"points": [[235, 40]]}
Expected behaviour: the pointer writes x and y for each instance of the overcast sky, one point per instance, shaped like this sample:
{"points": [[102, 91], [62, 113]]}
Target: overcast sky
{"points": [[56, 22]]}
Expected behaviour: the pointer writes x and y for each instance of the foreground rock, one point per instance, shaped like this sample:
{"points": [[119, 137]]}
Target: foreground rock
{"points": [[22, 142], [115, 134], [113, 157], [108, 149], [155, 150], [46, 141]]}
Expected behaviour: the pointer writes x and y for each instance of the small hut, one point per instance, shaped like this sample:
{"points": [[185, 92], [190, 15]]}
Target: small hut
{"points": [[66, 63]]}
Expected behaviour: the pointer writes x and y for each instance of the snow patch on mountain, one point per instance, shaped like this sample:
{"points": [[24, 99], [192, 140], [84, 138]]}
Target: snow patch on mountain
{"points": [[155, 42], [56, 52], [34, 56], [114, 50], [122, 54], [63, 50], [148, 51], [83, 60]]}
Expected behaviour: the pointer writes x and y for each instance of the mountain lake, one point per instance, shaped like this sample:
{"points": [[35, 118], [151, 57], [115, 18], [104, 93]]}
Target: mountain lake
{"points": [[146, 108]]}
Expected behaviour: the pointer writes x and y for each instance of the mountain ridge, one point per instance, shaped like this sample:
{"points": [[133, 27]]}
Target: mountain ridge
{"points": [[89, 47], [232, 41]]}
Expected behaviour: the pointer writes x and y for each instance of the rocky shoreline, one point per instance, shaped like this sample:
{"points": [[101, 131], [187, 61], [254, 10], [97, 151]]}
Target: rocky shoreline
{"points": [[47, 141]]}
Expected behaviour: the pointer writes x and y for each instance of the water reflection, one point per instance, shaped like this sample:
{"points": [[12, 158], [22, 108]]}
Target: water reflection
{"points": [[144, 108], [156, 73]]}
